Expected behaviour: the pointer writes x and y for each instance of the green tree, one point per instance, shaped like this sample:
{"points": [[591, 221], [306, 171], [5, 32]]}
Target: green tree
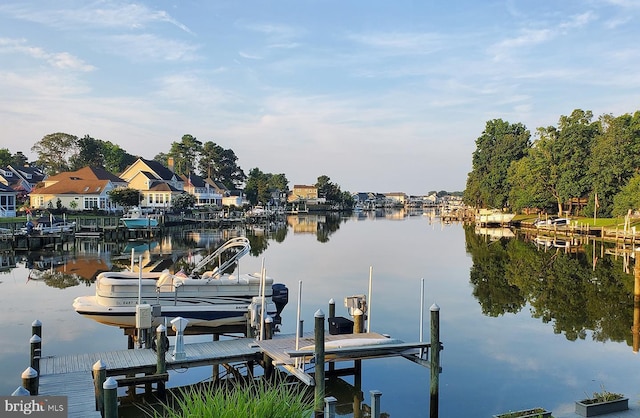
{"points": [[525, 188], [116, 159], [53, 152], [575, 135], [220, 165], [257, 187], [125, 197], [628, 198], [5, 157], [183, 202], [615, 158], [500, 144], [185, 154], [19, 159], [89, 153]]}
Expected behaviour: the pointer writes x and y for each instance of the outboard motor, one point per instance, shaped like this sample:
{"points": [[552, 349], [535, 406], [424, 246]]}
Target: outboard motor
{"points": [[280, 296]]}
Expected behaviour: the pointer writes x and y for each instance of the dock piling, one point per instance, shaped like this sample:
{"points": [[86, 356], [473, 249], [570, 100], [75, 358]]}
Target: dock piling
{"points": [[435, 361], [330, 407], [375, 403], [319, 363], [20, 391], [36, 352], [110, 387], [99, 372], [30, 380], [161, 350], [36, 328]]}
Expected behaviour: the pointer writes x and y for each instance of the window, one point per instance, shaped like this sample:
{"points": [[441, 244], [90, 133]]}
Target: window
{"points": [[89, 203]]}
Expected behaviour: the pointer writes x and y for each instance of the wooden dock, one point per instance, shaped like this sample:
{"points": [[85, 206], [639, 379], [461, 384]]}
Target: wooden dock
{"points": [[71, 375]]}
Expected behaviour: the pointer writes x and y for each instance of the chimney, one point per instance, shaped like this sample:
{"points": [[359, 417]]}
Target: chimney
{"points": [[170, 163]]}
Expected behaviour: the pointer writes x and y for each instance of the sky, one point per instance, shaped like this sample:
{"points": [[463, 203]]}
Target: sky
{"points": [[382, 96]]}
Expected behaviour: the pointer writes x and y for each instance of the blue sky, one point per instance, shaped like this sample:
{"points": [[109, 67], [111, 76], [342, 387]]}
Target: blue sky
{"points": [[380, 96]]}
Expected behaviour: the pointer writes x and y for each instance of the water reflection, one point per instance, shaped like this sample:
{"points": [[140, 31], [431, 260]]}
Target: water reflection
{"points": [[561, 283]]}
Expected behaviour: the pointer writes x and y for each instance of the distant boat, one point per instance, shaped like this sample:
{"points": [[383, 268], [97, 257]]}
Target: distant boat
{"points": [[135, 219], [551, 222], [493, 217]]}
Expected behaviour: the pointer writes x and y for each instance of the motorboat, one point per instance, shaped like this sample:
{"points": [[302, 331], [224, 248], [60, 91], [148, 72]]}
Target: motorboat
{"points": [[47, 225], [552, 222], [212, 298], [493, 217], [135, 219]]}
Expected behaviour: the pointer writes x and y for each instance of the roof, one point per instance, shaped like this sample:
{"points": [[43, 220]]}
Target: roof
{"points": [[161, 186], [87, 173], [163, 172], [74, 186], [6, 189], [193, 179]]}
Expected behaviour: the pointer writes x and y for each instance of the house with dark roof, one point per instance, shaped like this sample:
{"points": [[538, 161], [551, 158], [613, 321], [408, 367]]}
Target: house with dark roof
{"points": [[7, 201], [157, 184], [83, 189], [206, 195]]}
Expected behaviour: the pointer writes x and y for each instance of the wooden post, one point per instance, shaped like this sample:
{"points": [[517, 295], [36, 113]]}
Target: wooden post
{"points": [[435, 361], [99, 371], [30, 380], [36, 352], [216, 368], [267, 362], [110, 387], [161, 349], [358, 321], [319, 363], [635, 329], [20, 391], [332, 308], [36, 328], [268, 328], [375, 403], [330, 407]]}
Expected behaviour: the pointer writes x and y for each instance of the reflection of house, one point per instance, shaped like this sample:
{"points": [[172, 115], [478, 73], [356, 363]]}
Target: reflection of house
{"points": [[305, 224], [303, 192], [83, 189], [157, 184], [203, 191]]}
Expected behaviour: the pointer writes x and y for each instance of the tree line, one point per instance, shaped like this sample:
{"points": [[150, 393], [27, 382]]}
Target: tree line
{"points": [[60, 152], [596, 161]]}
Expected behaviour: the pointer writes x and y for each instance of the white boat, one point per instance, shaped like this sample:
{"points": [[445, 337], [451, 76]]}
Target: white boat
{"points": [[48, 225], [493, 217], [134, 218], [551, 222], [211, 299]]}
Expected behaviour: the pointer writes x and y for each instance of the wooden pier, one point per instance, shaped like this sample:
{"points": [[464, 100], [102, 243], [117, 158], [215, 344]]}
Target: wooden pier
{"points": [[71, 375]]}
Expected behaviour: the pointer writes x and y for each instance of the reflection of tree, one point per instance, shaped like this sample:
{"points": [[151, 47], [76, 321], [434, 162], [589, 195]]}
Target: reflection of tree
{"points": [[331, 225], [59, 280], [561, 288]]}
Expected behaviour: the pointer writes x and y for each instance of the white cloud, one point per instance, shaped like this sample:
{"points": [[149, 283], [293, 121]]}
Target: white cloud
{"points": [[145, 47], [59, 60]]}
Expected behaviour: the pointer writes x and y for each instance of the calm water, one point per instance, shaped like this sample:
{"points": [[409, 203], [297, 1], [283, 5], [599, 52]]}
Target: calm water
{"points": [[521, 326]]}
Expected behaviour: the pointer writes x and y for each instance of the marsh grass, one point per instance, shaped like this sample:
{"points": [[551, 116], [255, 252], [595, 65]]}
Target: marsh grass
{"points": [[255, 399]]}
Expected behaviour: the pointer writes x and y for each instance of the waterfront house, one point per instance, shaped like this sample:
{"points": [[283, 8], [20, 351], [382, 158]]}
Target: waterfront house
{"points": [[204, 192], [84, 189], [303, 192], [7, 201], [395, 199], [157, 184]]}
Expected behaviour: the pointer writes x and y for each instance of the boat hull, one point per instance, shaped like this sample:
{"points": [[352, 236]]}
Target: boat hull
{"points": [[211, 315], [133, 223]]}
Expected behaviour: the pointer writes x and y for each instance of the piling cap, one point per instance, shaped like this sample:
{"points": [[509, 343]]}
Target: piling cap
{"points": [[110, 383], [318, 314], [434, 308], [268, 320], [161, 328], [35, 339], [20, 391], [358, 312], [332, 302], [29, 372], [36, 323], [99, 365]]}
